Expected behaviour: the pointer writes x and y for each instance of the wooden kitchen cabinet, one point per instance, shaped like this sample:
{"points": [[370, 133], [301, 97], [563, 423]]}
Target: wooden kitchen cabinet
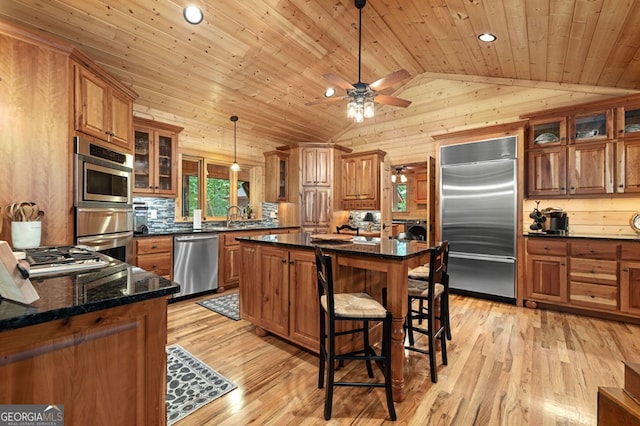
{"points": [[229, 261], [547, 171], [595, 276], [279, 292], [590, 168], [548, 132], [628, 121], [155, 166], [155, 254], [317, 166], [106, 367], [102, 110], [630, 278], [316, 207], [276, 173], [546, 270], [361, 180], [628, 170]]}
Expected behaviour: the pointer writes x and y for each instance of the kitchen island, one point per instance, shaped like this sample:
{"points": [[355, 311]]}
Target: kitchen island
{"points": [[278, 288], [94, 342]]}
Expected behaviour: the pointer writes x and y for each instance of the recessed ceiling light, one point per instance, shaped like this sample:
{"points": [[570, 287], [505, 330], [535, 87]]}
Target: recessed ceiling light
{"points": [[192, 14], [329, 92], [487, 37]]}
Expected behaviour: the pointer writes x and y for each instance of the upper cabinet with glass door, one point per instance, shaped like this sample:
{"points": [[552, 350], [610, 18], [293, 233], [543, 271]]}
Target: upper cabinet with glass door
{"points": [[548, 132], [628, 122], [156, 158], [595, 126]]}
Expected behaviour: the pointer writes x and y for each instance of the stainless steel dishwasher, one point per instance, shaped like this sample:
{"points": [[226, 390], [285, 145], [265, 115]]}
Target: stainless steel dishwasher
{"points": [[195, 263]]}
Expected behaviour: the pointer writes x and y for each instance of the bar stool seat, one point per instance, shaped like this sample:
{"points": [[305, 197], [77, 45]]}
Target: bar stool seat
{"points": [[355, 305], [419, 272], [420, 288]]}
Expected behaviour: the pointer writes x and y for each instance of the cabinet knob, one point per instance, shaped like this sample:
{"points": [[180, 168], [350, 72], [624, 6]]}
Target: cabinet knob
{"points": [[593, 296], [592, 250], [625, 269], [284, 260], [291, 262], [561, 263], [562, 188], [621, 186], [154, 266], [621, 131], [153, 246], [573, 188], [593, 271]]}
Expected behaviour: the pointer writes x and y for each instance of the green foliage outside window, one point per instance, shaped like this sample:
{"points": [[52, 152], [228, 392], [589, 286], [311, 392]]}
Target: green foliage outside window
{"points": [[399, 197], [217, 196]]}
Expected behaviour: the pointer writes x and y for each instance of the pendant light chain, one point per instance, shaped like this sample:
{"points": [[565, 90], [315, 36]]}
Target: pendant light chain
{"points": [[234, 166]]}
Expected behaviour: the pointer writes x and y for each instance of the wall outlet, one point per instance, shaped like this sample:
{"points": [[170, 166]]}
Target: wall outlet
{"points": [[273, 215], [153, 214]]}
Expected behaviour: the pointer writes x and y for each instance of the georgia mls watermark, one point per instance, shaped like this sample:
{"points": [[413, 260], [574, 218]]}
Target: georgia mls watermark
{"points": [[31, 415]]}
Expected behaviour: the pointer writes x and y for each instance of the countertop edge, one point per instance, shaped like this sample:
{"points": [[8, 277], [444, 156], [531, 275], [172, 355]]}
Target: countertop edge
{"points": [[631, 238], [35, 318]]}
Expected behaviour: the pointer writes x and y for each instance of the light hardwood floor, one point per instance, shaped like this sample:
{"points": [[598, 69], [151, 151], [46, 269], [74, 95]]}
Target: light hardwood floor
{"points": [[507, 366]]}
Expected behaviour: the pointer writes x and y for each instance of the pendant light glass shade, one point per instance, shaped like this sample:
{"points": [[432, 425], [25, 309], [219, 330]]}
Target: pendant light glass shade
{"points": [[235, 167]]}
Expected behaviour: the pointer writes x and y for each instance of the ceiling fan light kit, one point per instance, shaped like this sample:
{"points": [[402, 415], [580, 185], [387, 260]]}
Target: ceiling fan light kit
{"points": [[362, 96]]}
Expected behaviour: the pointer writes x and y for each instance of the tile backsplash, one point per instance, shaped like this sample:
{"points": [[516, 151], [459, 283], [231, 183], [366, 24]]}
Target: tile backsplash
{"points": [[165, 215]]}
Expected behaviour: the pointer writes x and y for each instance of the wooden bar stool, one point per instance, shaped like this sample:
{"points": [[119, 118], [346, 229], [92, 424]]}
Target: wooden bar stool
{"points": [[350, 307], [429, 291], [421, 273]]}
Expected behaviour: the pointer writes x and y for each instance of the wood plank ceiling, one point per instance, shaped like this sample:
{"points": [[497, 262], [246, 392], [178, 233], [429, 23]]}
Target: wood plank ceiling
{"points": [[264, 59]]}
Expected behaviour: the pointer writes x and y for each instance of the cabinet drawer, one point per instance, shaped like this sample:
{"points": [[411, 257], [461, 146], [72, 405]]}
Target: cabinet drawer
{"points": [[594, 271], [592, 250], [630, 251], [159, 264], [595, 295], [154, 245], [230, 238], [546, 247]]}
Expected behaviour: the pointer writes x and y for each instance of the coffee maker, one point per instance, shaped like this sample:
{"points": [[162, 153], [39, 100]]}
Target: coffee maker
{"points": [[557, 221], [140, 211]]}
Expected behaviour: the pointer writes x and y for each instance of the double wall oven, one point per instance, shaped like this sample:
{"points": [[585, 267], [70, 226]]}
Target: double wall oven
{"points": [[103, 199]]}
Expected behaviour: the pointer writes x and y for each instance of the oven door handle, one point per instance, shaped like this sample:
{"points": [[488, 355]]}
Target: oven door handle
{"points": [[103, 242]]}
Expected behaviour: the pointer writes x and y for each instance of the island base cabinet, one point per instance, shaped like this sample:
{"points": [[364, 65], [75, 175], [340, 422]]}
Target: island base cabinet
{"points": [[630, 287], [106, 367]]}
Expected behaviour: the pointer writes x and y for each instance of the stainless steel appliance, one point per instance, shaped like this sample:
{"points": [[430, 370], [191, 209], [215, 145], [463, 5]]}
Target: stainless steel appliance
{"points": [[195, 263], [478, 204], [103, 187], [102, 174], [53, 260], [414, 229], [140, 225]]}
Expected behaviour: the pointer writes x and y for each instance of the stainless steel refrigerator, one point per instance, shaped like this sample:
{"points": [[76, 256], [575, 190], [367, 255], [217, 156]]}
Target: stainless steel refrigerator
{"points": [[478, 204]]}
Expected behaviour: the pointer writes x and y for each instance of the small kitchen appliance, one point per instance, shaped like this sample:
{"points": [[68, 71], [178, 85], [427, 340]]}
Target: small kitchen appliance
{"points": [[141, 225], [557, 221]]}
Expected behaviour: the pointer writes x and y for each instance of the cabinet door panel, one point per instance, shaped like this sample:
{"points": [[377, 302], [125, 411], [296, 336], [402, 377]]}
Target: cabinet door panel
{"points": [[630, 287], [308, 208], [121, 120], [304, 326], [323, 167], [350, 179], [366, 178], [547, 278], [323, 207], [250, 290], [91, 104], [274, 269], [232, 263], [591, 169], [627, 159], [547, 171]]}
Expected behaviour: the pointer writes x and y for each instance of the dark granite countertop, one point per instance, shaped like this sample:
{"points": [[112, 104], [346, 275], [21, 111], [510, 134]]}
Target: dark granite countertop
{"points": [[585, 236], [209, 230], [365, 246], [75, 293]]}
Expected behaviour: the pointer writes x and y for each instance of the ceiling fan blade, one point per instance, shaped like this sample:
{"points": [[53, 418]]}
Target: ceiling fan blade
{"points": [[389, 80], [325, 101], [391, 100], [338, 81]]}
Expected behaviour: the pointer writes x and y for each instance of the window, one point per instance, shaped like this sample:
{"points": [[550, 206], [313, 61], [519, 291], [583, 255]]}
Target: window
{"points": [[190, 185], [221, 188], [218, 190], [399, 197]]}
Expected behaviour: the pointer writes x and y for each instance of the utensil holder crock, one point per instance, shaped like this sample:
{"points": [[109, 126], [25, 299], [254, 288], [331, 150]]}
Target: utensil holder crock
{"points": [[26, 234]]}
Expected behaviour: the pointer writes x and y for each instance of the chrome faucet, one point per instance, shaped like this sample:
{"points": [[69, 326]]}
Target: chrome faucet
{"points": [[229, 213]]}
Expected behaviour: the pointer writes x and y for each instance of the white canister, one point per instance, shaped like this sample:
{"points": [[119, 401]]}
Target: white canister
{"points": [[26, 234], [197, 219]]}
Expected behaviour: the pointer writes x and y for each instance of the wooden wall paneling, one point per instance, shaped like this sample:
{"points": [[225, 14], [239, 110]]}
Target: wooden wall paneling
{"points": [[36, 149], [597, 216]]}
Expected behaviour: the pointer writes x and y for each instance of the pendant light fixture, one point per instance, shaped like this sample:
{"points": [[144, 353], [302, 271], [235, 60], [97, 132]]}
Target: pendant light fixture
{"points": [[235, 167]]}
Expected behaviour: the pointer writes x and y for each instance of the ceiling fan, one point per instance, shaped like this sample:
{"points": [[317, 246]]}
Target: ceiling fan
{"points": [[363, 95]]}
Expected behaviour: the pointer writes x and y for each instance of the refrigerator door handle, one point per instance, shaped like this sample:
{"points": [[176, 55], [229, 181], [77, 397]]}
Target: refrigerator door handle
{"points": [[475, 256]]}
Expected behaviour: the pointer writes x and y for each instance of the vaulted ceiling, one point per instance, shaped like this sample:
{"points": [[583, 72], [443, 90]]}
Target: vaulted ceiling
{"points": [[264, 60]]}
